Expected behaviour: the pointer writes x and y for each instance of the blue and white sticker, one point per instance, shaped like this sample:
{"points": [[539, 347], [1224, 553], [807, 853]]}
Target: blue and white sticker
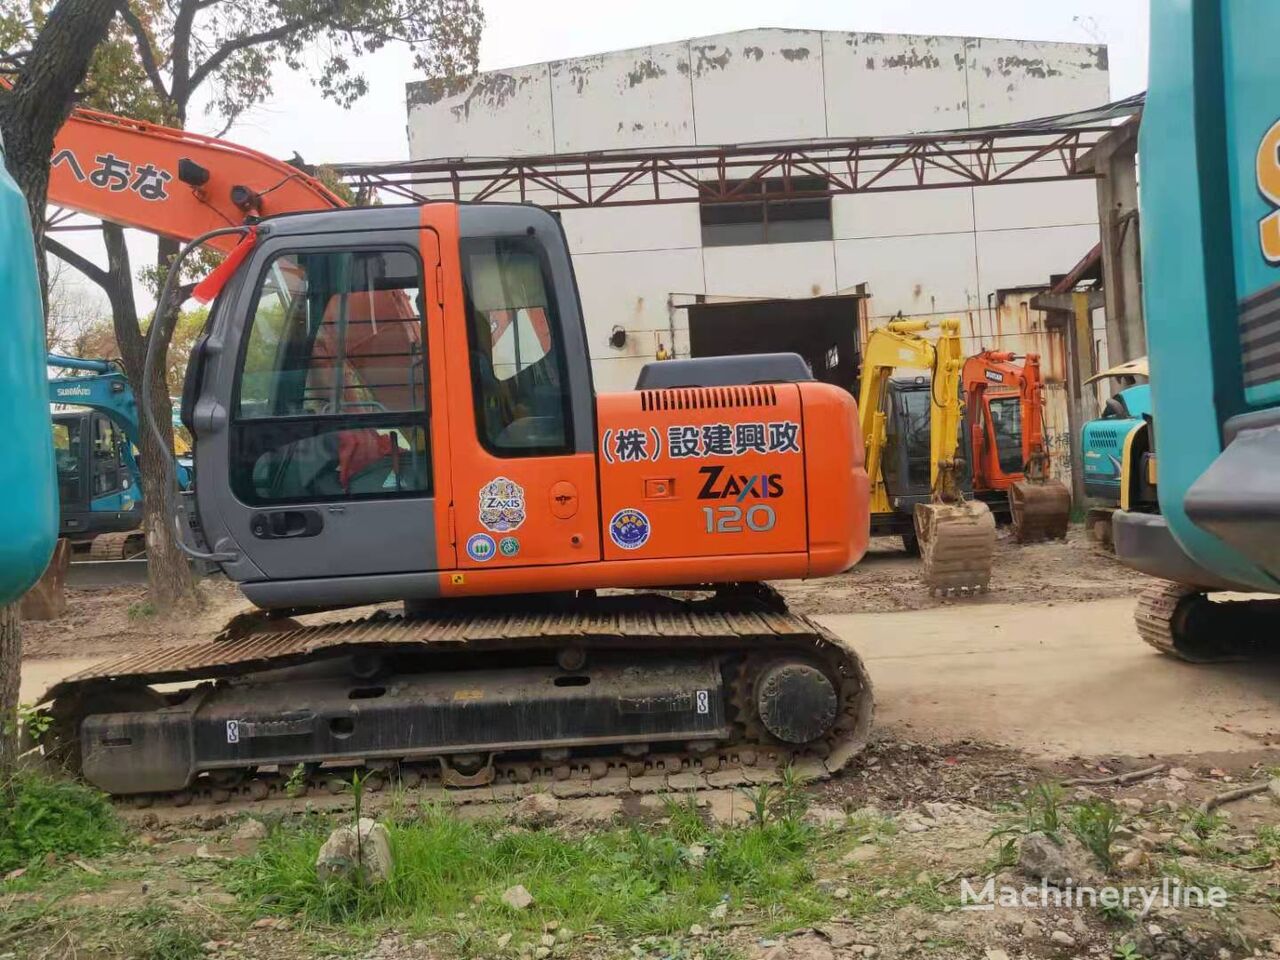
{"points": [[480, 547], [629, 528]]}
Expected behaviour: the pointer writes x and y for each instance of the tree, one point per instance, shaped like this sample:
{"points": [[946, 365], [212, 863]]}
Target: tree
{"points": [[45, 64], [158, 57]]}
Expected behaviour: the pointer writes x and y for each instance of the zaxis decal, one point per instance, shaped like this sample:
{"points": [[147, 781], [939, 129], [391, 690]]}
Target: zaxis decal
{"points": [[739, 487]]}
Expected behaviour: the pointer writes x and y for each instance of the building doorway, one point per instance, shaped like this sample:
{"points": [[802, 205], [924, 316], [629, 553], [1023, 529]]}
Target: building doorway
{"points": [[823, 330]]}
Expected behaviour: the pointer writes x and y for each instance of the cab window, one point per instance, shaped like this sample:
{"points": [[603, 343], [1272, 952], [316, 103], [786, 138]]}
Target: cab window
{"points": [[332, 395], [1006, 425], [66, 452], [517, 358]]}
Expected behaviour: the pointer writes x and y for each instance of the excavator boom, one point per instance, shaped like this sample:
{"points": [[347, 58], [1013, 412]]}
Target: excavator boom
{"points": [[172, 183]]}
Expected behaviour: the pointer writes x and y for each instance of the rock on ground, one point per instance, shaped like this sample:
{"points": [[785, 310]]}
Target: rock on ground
{"points": [[517, 897], [349, 846], [251, 829], [536, 810], [1040, 857]]}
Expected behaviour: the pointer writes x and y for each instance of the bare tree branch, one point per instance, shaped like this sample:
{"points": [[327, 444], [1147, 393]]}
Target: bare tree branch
{"points": [[243, 43], [77, 260], [146, 54]]}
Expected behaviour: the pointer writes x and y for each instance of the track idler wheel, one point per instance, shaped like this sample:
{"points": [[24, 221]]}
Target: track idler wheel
{"points": [[957, 543], [1040, 510], [796, 702]]}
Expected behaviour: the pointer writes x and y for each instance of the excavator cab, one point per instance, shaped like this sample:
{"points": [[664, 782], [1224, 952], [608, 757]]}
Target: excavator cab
{"points": [[907, 455], [330, 383], [97, 487]]}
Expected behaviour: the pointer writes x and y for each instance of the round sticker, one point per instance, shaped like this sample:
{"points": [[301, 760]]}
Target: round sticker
{"points": [[629, 529], [508, 546], [501, 505], [480, 547]]}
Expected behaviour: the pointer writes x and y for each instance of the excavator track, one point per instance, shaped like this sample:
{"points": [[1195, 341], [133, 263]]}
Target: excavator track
{"points": [[1182, 622], [729, 697], [1039, 510], [121, 545], [957, 546]]}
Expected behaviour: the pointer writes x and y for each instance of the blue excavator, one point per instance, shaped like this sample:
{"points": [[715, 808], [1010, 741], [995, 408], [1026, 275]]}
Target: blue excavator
{"points": [[1200, 491], [99, 483], [29, 513], [1102, 443]]}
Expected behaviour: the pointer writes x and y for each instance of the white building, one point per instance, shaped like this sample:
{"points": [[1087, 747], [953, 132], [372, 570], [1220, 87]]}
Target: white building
{"points": [[935, 252]]}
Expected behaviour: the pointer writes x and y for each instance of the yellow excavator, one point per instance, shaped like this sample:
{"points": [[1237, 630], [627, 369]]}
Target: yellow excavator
{"points": [[912, 427]]}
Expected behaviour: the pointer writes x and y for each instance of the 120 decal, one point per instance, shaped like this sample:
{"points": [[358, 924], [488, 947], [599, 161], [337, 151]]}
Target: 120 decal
{"points": [[734, 519]]}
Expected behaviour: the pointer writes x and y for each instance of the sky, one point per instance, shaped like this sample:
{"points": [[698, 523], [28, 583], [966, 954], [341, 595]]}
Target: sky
{"points": [[531, 31]]}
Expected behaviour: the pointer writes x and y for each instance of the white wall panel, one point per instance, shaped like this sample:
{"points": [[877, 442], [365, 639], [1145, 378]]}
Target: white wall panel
{"points": [[880, 84], [1020, 80], [770, 270], [613, 229], [632, 290], [924, 274], [633, 98], [498, 114], [1016, 258], [1066, 203], [902, 213], [758, 85]]}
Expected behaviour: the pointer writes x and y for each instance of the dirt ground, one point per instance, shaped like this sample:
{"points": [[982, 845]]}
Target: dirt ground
{"points": [[888, 578]]}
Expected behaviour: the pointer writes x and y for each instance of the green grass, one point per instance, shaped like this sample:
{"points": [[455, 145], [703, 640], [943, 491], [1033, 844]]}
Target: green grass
{"points": [[1095, 823], [625, 881], [156, 933], [40, 815]]}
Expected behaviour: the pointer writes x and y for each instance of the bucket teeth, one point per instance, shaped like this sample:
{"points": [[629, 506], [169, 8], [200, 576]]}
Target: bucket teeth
{"points": [[957, 543], [1040, 510]]}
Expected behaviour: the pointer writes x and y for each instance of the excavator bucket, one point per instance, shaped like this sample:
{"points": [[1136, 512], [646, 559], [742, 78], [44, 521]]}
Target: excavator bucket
{"points": [[1040, 510], [957, 542]]}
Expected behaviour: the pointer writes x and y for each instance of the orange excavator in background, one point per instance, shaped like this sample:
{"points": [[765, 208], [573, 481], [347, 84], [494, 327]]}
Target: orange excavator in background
{"points": [[1004, 402], [394, 404]]}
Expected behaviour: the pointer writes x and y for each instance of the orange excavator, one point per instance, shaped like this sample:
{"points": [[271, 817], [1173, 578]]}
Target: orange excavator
{"points": [[394, 404], [1004, 401]]}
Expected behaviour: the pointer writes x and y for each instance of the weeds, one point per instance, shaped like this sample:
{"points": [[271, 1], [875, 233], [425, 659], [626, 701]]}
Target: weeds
{"points": [[1202, 825], [141, 610], [1040, 812], [633, 880], [40, 816], [1127, 951], [160, 936], [1095, 823]]}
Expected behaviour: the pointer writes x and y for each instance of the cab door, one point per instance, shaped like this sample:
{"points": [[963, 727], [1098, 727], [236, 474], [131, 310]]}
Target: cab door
{"points": [[521, 406], [317, 407]]}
